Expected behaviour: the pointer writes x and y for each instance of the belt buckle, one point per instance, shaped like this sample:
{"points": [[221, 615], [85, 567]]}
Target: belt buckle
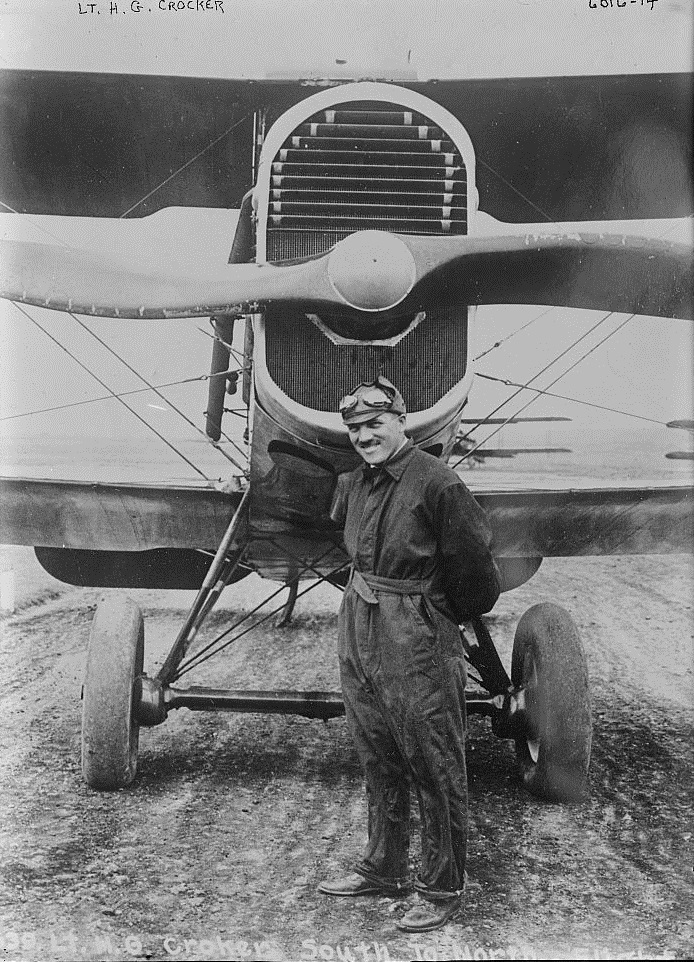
{"points": [[362, 588]]}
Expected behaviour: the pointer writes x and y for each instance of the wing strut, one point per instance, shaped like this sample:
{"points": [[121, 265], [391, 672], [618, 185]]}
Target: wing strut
{"points": [[225, 561], [223, 324], [224, 331]]}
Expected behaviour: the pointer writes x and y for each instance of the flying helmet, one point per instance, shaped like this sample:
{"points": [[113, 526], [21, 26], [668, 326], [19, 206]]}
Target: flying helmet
{"points": [[369, 399]]}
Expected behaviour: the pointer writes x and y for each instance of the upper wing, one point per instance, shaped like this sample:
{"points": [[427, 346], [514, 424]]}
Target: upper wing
{"points": [[581, 120]]}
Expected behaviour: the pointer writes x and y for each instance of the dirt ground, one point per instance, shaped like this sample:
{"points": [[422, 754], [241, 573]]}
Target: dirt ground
{"points": [[216, 849]]}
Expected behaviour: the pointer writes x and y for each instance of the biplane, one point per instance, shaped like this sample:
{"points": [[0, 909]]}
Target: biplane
{"points": [[377, 212]]}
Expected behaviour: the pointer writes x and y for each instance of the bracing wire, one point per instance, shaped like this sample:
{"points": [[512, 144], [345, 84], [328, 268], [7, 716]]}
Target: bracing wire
{"points": [[113, 393], [564, 397], [508, 337], [215, 337], [661, 236], [209, 650], [309, 567], [214, 647], [192, 160], [118, 394], [551, 220], [541, 371], [551, 384], [151, 387]]}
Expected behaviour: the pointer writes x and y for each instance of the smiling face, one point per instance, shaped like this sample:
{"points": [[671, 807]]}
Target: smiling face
{"points": [[379, 438]]}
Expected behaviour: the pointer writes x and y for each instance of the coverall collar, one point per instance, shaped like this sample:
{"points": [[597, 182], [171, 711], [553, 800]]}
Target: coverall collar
{"points": [[394, 466]]}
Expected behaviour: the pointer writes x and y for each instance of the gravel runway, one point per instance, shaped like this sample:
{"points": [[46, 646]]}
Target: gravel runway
{"points": [[216, 849]]}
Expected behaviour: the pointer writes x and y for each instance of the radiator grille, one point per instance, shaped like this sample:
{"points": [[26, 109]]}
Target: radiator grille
{"points": [[364, 166], [424, 365]]}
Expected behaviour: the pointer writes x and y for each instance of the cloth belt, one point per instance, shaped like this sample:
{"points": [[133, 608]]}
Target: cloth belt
{"points": [[367, 586]]}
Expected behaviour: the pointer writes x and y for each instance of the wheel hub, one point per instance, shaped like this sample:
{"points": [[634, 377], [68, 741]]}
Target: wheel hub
{"points": [[150, 702]]}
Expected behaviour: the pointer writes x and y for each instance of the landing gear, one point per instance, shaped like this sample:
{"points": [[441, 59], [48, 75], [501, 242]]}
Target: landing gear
{"points": [[549, 668], [118, 698], [545, 705], [110, 729]]}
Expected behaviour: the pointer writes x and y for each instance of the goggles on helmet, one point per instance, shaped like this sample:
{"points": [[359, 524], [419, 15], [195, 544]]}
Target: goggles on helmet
{"points": [[378, 398]]}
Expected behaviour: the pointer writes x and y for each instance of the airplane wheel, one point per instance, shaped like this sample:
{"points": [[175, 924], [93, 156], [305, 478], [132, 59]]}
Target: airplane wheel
{"points": [[548, 661], [110, 732]]}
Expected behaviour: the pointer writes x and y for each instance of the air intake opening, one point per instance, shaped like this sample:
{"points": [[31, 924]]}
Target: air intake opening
{"points": [[360, 166]]}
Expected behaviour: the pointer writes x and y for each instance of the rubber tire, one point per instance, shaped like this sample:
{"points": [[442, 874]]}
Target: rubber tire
{"points": [[547, 646], [110, 732]]}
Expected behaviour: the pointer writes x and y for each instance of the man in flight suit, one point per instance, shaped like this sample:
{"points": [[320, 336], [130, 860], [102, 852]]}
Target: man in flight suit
{"points": [[421, 564]]}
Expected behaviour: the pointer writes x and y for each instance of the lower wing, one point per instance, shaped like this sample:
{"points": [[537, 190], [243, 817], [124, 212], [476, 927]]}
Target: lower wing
{"points": [[122, 532]]}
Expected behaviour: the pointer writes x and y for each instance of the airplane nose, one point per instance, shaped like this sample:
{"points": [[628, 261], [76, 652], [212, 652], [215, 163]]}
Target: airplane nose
{"points": [[371, 270]]}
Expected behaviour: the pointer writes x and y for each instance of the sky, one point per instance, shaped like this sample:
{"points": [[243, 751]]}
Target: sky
{"points": [[426, 38], [645, 368]]}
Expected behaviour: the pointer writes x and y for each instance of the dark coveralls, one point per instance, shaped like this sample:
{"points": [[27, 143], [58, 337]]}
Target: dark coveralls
{"points": [[421, 563]]}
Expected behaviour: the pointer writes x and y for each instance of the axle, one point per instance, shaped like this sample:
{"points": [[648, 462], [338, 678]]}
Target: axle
{"points": [[154, 701]]}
